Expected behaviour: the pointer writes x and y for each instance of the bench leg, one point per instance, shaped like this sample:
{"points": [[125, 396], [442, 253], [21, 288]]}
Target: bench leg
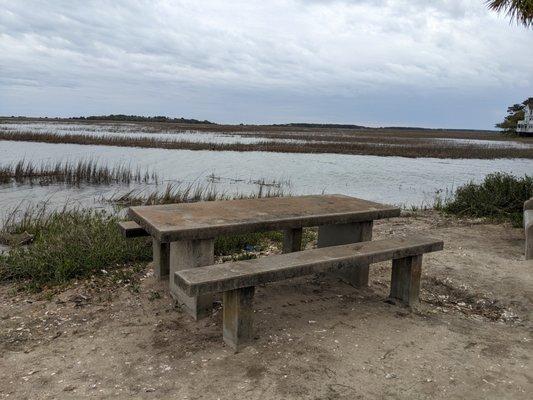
{"points": [[187, 254], [161, 260], [335, 235], [238, 317], [292, 240], [405, 280], [529, 241]]}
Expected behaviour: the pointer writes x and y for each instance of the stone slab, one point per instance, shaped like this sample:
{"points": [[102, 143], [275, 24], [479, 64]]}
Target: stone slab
{"points": [[203, 220], [131, 229], [236, 275]]}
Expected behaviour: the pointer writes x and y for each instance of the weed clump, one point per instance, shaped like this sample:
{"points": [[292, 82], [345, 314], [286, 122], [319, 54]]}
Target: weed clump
{"points": [[77, 243], [499, 197], [71, 244]]}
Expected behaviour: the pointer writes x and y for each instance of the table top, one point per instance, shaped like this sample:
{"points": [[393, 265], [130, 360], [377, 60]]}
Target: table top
{"points": [[209, 219]]}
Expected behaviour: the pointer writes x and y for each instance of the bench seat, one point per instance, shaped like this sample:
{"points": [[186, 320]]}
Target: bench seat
{"points": [[130, 229], [238, 279]]}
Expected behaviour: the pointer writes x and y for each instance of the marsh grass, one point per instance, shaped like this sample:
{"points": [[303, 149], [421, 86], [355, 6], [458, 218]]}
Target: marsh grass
{"points": [[382, 144], [77, 243], [500, 197], [73, 173], [69, 244], [190, 193]]}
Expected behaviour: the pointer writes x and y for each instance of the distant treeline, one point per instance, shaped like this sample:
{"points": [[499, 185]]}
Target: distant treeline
{"points": [[140, 118], [333, 126], [351, 126]]}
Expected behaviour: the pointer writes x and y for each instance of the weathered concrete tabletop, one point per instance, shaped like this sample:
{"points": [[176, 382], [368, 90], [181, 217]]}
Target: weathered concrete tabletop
{"points": [[203, 220]]}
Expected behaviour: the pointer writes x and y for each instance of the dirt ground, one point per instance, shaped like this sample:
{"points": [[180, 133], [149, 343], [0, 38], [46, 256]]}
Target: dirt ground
{"points": [[317, 338]]}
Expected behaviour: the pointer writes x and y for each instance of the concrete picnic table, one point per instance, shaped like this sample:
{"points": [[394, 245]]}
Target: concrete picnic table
{"points": [[184, 234]]}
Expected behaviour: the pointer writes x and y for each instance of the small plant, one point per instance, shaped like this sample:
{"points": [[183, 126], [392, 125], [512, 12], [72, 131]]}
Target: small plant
{"points": [[500, 196], [154, 295]]}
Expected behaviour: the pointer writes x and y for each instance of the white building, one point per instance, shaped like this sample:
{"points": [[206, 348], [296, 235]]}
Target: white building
{"points": [[526, 125]]}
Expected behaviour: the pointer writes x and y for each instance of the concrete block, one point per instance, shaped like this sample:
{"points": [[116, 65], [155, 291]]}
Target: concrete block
{"points": [[131, 229], [161, 254], [334, 235], [238, 317], [292, 240], [187, 254], [405, 280]]}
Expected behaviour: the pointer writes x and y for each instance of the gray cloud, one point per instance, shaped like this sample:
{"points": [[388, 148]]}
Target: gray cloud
{"points": [[257, 61]]}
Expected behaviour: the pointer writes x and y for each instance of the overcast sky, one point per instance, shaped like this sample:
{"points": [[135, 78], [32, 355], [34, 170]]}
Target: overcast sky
{"points": [[375, 62]]}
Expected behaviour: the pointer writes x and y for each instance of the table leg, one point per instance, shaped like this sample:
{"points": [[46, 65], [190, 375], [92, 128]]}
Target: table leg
{"points": [[161, 254], [188, 254], [292, 240], [335, 235]]}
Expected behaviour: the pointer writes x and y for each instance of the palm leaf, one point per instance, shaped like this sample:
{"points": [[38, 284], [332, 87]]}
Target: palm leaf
{"points": [[519, 10]]}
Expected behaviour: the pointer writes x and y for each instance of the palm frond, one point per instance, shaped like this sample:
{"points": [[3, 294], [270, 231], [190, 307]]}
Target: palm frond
{"points": [[519, 10]]}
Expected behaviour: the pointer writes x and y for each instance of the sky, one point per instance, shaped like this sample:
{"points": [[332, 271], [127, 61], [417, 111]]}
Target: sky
{"points": [[439, 64]]}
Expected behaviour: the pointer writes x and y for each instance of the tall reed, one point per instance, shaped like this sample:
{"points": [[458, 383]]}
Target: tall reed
{"points": [[176, 193], [73, 173]]}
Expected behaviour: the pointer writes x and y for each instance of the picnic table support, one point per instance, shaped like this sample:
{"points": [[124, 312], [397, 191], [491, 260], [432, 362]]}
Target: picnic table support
{"points": [[161, 252], [405, 280], [528, 228], [292, 240], [238, 317], [187, 254], [339, 234]]}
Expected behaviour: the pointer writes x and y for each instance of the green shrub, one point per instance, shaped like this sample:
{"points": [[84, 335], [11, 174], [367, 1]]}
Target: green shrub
{"points": [[72, 244], [78, 243], [499, 197]]}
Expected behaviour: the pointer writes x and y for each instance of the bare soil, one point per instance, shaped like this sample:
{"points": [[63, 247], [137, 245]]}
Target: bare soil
{"points": [[317, 338]]}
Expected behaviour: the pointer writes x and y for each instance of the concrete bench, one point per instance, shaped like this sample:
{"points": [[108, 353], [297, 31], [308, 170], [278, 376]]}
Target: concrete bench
{"points": [[237, 280], [528, 227]]}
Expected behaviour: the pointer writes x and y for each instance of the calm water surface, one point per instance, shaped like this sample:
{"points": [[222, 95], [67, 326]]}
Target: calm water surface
{"points": [[395, 180]]}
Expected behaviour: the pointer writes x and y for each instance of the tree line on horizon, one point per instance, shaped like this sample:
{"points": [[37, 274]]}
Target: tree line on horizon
{"points": [[140, 118]]}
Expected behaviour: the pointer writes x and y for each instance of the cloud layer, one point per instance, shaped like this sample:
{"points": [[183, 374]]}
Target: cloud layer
{"points": [[381, 62]]}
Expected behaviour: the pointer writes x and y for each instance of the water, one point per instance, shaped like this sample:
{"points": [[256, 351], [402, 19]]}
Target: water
{"points": [[487, 143], [394, 180]]}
